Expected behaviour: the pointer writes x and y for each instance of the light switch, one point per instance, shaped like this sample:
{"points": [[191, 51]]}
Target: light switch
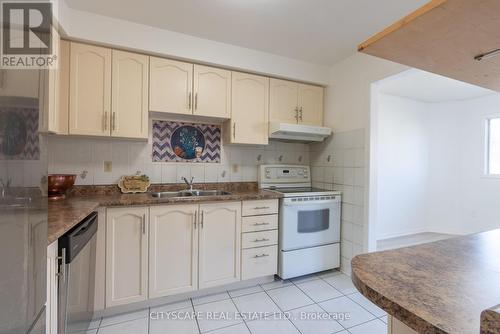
{"points": [[108, 166]]}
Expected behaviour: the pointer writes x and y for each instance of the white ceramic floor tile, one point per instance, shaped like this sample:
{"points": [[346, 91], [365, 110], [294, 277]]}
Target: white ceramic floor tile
{"points": [[342, 283], [178, 321], [289, 297], [251, 306], [319, 290], [238, 329], [314, 320], [245, 291], [384, 319], [138, 326], [116, 319], [276, 284], [272, 326], [329, 273], [92, 331], [352, 313], [210, 298], [372, 327], [217, 315], [305, 278], [95, 323], [172, 306], [363, 301]]}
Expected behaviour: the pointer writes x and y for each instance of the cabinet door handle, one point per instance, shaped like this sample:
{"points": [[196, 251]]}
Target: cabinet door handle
{"points": [[261, 255], [234, 130], [143, 224], [113, 121], [261, 207], [300, 114], [260, 224], [261, 240], [196, 101], [195, 219], [62, 267], [189, 101], [202, 218]]}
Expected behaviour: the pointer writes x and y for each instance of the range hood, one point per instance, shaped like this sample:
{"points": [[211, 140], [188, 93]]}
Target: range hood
{"points": [[297, 132]]}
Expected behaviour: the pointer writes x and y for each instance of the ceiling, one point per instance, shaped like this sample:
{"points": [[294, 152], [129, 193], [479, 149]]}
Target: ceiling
{"points": [[317, 31], [428, 87]]}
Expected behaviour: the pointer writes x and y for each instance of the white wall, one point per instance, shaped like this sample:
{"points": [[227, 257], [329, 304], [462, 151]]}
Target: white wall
{"points": [[463, 200], [404, 129], [430, 166], [95, 28]]}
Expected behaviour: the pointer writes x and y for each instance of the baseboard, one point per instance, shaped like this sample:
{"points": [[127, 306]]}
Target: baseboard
{"points": [[403, 234]]}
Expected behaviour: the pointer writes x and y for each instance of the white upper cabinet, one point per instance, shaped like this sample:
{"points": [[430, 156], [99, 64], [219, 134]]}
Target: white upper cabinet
{"points": [[171, 86], [283, 101], [249, 111], [173, 250], [129, 113], [220, 240], [292, 102], [90, 90], [126, 255], [310, 105], [212, 92]]}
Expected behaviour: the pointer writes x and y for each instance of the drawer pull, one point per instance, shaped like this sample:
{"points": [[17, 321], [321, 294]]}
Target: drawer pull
{"points": [[261, 240], [261, 207], [261, 255], [260, 224]]}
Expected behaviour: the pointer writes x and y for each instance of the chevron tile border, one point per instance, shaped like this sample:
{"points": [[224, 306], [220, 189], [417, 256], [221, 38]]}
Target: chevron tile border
{"points": [[162, 148], [31, 142]]}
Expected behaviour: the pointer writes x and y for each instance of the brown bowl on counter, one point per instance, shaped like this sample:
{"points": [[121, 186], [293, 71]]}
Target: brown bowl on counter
{"points": [[59, 184]]}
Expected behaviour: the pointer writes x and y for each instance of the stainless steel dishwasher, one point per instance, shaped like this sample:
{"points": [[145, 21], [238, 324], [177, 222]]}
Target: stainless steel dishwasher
{"points": [[77, 252]]}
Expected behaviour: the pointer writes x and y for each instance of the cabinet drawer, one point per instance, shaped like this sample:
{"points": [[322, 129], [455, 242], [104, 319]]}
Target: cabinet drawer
{"points": [[260, 207], [258, 262], [259, 223], [259, 239]]}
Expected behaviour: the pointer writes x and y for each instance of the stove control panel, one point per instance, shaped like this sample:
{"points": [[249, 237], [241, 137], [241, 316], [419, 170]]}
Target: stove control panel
{"points": [[283, 174]]}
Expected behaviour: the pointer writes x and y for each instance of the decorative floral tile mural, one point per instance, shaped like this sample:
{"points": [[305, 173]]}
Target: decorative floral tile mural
{"points": [[186, 142], [19, 134]]}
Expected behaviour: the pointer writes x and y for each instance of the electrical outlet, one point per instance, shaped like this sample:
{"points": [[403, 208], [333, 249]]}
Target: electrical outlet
{"points": [[108, 166], [236, 168]]}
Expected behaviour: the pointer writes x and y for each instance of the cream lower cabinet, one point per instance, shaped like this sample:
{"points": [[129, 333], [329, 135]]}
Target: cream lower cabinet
{"points": [[173, 249], [126, 255], [52, 288], [220, 240], [249, 110]]}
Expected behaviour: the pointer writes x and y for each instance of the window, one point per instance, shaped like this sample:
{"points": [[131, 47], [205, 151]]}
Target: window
{"points": [[493, 146]]}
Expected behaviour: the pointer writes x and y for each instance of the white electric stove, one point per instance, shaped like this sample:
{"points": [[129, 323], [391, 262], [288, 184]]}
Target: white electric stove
{"points": [[309, 221]]}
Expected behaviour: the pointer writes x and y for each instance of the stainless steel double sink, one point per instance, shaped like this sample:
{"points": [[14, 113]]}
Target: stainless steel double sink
{"points": [[189, 193]]}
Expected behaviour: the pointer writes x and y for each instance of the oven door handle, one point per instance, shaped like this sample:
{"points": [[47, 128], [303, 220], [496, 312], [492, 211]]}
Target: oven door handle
{"points": [[306, 203]]}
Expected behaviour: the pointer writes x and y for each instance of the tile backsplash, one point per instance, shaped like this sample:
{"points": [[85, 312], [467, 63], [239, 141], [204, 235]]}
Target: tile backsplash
{"points": [[87, 157], [186, 142], [339, 163]]}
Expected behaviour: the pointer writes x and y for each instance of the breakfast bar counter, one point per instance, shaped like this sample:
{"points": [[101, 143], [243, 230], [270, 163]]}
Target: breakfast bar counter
{"points": [[438, 287]]}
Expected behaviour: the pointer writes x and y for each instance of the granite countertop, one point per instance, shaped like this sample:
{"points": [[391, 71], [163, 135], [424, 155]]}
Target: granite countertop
{"points": [[439, 287], [65, 214]]}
